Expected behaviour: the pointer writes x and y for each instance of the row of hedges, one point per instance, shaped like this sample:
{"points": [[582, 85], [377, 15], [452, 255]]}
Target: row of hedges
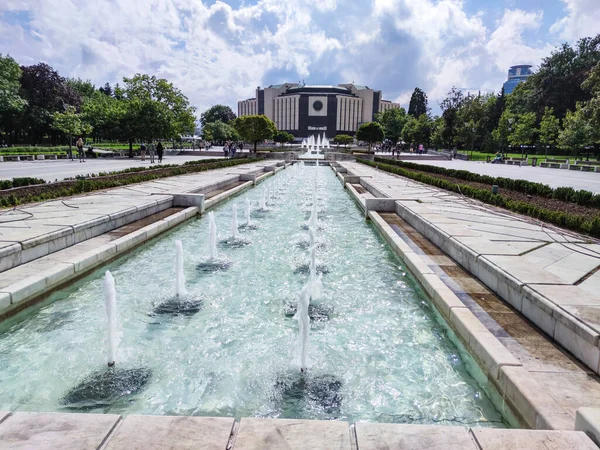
{"points": [[18, 182], [30, 150], [68, 188], [570, 221], [566, 194]]}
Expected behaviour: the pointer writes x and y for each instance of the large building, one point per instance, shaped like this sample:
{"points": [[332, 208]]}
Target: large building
{"points": [[516, 75], [303, 110]]}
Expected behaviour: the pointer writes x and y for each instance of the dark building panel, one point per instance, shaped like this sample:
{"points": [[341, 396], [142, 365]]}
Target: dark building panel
{"points": [[261, 101], [376, 100], [331, 116]]}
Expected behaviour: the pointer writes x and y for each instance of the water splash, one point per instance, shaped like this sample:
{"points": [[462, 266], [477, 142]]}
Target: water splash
{"points": [[247, 211], [110, 301], [179, 277], [234, 224], [304, 328], [212, 235], [263, 199]]}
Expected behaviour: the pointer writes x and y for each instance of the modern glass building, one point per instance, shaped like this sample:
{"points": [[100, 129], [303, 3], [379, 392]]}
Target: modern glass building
{"points": [[302, 109], [516, 75]]}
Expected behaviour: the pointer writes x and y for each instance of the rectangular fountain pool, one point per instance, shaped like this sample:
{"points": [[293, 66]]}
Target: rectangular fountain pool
{"points": [[377, 350]]}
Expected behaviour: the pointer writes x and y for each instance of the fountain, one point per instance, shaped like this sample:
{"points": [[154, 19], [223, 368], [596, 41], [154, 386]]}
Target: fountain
{"points": [[234, 241], [263, 200], [234, 223], [213, 264], [182, 303], [112, 385]]}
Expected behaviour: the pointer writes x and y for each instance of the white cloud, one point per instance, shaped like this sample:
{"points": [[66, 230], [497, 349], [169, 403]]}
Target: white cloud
{"points": [[582, 20], [219, 54]]}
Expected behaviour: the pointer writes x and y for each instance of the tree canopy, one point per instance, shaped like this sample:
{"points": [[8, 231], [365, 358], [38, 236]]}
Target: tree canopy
{"points": [[255, 128], [418, 103], [216, 113], [393, 121], [370, 133]]}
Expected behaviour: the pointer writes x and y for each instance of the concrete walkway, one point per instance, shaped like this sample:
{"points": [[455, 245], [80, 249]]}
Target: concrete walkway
{"points": [[50, 431], [589, 181], [59, 169]]}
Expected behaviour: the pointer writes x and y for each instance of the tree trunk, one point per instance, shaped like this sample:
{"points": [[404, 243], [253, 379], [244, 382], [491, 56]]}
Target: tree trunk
{"points": [[130, 147], [255, 143]]}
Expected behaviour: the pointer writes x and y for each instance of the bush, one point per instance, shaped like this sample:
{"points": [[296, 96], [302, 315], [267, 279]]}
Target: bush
{"points": [[567, 194], [562, 219]]}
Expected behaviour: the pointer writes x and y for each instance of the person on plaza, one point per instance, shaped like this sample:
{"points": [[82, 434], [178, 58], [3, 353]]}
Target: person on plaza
{"points": [[152, 151], [241, 147], [226, 149], [233, 149], [80, 151], [160, 151], [497, 158], [143, 152]]}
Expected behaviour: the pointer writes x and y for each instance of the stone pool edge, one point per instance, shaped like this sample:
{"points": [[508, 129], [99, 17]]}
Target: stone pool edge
{"points": [[516, 385], [29, 291]]}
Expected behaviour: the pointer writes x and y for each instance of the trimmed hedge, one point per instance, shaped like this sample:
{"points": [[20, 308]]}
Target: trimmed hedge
{"points": [[566, 194], [19, 182], [79, 186], [570, 221]]}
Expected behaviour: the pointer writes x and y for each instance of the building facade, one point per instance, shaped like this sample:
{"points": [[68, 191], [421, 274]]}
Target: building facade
{"points": [[516, 75], [303, 110]]}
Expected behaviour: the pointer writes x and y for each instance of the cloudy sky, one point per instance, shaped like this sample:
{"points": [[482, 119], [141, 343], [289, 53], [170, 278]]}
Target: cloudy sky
{"points": [[219, 51]]}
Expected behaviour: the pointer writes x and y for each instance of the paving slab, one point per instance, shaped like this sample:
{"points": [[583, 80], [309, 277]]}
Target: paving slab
{"points": [[288, 434], [51, 431], [383, 436], [498, 439], [171, 432]]}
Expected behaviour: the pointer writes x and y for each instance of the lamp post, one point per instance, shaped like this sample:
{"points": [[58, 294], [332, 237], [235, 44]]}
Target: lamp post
{"points": [[510, 122]]}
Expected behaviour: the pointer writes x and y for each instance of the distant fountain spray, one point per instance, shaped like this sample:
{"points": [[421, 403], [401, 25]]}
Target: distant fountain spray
{"points": [[110, 301], [247, 211], [304, 328], [212, 236], [179, 277], [234, 224], [263, 199]]}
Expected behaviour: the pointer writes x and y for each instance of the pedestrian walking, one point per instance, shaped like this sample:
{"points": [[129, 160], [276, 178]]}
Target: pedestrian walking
{"points": [[160, 151], [226, 149], [233, 149], [152, 151], [143, 152], [80, 151]]}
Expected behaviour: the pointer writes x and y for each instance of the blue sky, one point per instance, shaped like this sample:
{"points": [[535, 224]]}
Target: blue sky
{"points": [[219, 51]]}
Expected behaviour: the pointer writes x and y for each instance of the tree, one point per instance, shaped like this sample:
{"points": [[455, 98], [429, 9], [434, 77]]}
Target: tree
{"points": [[343, 139], [282, 137], [418, 103], [370, 132], [85, 89], [450, 107], [219, 132], [524, 130], [107, 89], [503, 130], [217, 112], [549, 129], [46, 92], [437, 129], [70, 124], [154, 108], [105, 114], [11, 103], [393, 121], [255, 128], [577, 132]]}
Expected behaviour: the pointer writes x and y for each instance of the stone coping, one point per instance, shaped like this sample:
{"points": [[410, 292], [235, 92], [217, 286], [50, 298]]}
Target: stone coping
{"points": [[33, 231], [518, 387], [26, 283], [549, 275], [76, 431]]}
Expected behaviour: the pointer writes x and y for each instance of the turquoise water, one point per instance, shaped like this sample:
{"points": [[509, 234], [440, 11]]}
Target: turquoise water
{"points": [[383, 354]]}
